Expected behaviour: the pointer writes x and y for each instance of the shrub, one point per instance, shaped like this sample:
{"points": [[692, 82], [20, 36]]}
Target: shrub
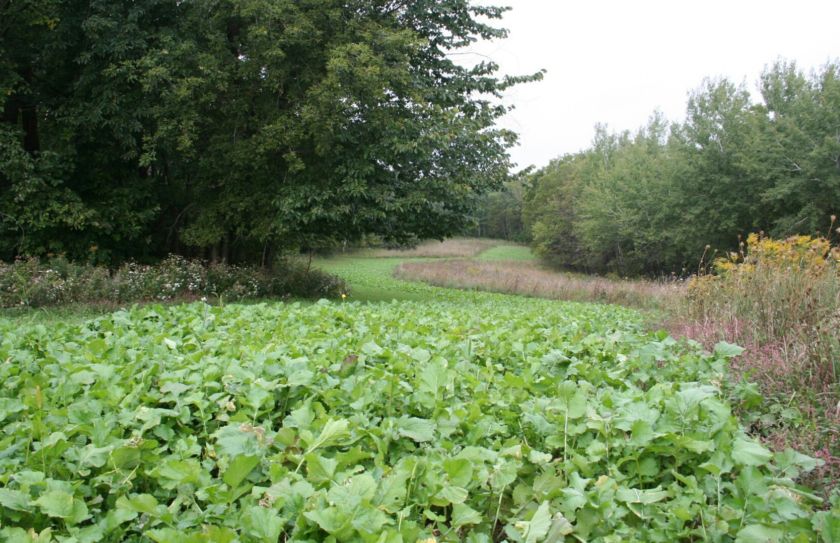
{"points": [[34, 283], [781, 300], [779, 290]]}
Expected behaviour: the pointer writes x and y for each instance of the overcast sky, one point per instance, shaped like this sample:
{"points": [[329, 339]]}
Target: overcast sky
{"points": [[615, 62]]}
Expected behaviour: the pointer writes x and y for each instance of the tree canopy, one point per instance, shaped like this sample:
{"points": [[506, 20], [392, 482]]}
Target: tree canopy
{"points": [[657, 200], [236, 128]]}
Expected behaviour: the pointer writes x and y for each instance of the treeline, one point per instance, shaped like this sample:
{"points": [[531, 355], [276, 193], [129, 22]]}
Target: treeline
{"points": [[657, 200], [231, 130], [498, 214]]}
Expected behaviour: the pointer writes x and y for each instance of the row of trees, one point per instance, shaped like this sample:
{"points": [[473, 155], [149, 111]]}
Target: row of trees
{"points": [[651, 202], [498, 214], [231, 129]]}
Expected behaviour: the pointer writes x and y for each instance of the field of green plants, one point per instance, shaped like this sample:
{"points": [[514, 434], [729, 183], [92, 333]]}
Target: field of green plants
{"points": [[443, 416]]}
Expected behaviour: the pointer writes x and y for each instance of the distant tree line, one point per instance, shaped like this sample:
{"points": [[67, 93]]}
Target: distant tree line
{"points": [[498, 214], [233, 129], [655, 201]]}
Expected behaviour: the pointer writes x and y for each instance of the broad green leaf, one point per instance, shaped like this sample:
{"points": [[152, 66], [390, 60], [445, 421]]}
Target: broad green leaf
{"points": [[452, 494], [180, 471], [262, 524], [749, 453], [331, 519], [331, 433], [572, 399], [419, 430], [463, 515], [459, 471], [759, 533], [319, 468], [239, 469], [238, 439], [539, 525], [827, 524], [634, 495], [19, 535], [138, 503], [560, 528], [56, 503], [728, 350], [370, 521], [14, 499]]}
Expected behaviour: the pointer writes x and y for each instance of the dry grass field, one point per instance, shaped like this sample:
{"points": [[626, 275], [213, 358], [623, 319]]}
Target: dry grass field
{"points": [[450, 248], [529, 279]]}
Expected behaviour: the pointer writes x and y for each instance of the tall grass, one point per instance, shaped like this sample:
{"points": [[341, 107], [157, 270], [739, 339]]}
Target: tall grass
{"points": [[450, 248], [528, 279], [782, 293], [780, 299]]}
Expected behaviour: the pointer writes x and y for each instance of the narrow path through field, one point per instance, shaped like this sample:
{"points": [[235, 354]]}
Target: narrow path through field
{"points": [[371, 276]]}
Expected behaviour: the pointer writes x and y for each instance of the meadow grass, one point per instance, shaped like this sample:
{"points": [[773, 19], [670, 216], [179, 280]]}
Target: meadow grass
{"points": [[527, 278], [521, 253]]}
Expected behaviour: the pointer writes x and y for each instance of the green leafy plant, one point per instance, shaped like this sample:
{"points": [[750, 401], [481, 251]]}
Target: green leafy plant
{"points": [[475, 417]]}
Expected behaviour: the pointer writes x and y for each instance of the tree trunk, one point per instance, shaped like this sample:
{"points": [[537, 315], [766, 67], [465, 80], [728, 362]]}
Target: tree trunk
{"points": [[226, 249]]}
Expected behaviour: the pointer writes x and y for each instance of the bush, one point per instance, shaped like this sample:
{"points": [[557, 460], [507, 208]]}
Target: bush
{"points": [[35, 283]]}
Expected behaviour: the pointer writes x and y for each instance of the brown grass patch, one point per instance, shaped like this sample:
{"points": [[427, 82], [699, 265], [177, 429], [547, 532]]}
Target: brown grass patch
{"points": [[779, 299], [450, 248], [529, 279]]}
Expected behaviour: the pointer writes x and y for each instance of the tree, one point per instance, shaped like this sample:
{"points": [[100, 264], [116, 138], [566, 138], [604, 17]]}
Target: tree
{"points": [[801, 131], [660, 200], [499, 214], [234, 128]]}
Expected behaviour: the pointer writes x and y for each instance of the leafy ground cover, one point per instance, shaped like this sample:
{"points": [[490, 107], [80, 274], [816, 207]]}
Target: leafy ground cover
{"points": [[452, 416]]}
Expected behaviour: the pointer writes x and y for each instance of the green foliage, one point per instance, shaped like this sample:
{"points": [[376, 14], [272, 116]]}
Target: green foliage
{"points": [[651, 202], [32, 283], [499, 214], [464, 417], [236, 129]]}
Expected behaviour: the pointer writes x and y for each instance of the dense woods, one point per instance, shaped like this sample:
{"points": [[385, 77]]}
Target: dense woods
{"points": [[671, 195], [234, 129]]}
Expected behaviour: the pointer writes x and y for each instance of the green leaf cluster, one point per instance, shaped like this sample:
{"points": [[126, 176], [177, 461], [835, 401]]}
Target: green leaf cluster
{"points": [[474, 417]]}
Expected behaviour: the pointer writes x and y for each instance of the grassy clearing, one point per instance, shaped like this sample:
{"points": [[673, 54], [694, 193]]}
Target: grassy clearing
{"points": [[519, 253], [371, 279], [528, 279]]}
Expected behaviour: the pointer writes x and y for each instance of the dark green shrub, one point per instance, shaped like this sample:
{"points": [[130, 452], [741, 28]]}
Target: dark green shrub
{"points": [[34, 283]]}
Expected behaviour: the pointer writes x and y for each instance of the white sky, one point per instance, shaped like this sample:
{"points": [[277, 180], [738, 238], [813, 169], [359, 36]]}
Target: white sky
{"points": [[615, 62]]}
